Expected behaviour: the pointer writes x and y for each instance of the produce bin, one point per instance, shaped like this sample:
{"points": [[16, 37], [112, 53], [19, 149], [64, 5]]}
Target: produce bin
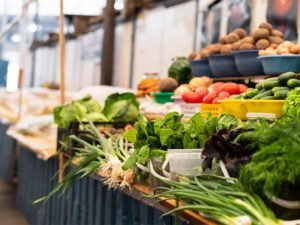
{"points": [[223, 65], [200, 68], [213, 109], [278, 64], [265, 106], [236, 107]]}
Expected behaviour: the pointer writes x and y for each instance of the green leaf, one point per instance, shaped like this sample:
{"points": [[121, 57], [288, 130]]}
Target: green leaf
{"points": [[130, 135], [164, 135], [143, 155]]}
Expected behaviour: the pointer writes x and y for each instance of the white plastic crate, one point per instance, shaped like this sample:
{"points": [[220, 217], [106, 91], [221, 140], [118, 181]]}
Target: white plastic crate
{"points": [[187, 109]]}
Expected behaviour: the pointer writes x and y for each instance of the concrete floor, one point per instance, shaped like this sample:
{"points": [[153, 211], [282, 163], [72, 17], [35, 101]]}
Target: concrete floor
{"points": [[9, 214]]}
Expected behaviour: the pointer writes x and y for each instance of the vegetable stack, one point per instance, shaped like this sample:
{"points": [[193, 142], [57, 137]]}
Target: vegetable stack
{"points": [[273, 88]]}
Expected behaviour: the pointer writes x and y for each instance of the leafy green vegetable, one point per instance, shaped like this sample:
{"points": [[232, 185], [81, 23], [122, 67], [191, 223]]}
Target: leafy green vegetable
{"points": [[171, 133], [277, 162], [292, 103], [121, 107], [80, 110]]}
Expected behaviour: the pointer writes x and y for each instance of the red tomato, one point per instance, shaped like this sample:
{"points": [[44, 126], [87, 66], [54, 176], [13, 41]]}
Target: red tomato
{"points": [[216, 100], [242, 88], [231, 88], [223, 95], [202, 90], [216, 87], [192, 97], [210, 97]]}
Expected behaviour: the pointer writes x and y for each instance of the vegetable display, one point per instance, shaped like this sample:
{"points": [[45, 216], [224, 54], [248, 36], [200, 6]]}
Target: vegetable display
{"points": [[219, 199], [213, 93], [118, 107], [272, 88], [105, 154], [154, 138]]}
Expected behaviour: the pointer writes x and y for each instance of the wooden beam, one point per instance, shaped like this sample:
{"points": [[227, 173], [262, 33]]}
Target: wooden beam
{"points": [[108, 43], [62, 77]]}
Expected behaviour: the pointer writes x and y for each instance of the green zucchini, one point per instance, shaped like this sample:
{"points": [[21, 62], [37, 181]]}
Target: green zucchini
{"points": [[274, 89], [281, 94], [268, 98], [283, 78], [264, 94], [270, 84], [292, 83]]}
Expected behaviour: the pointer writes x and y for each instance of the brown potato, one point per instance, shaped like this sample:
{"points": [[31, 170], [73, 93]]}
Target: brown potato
{"points": [[240, 32], [232, 38], [287, 44], [273, 45], [262, 44], [192, 55], [270, 52], [204, 53], [277, 33], [236, 46], [214, 49], [249, 40], [223, 40], [261, 33], [276, 40], [226, 49], [295, 49], [282, 51], [266, 25], [247, 46]]}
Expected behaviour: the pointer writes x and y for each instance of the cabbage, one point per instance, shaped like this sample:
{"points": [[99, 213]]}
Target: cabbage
{"points": [[121, 107]]}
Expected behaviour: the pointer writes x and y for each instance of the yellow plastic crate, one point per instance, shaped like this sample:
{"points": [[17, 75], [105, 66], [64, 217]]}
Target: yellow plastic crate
{"points": [[236, 107], [265, 106], [215, 109]]}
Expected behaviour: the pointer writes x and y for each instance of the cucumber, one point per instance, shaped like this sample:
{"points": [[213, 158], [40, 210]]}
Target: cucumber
{"points": [[251, 93], [235, 97], [268, 98], [271, 79], [264, 94], [283, 78], [292, 83], [281, 94], [274, 89], [270, 84], [259, 86]]}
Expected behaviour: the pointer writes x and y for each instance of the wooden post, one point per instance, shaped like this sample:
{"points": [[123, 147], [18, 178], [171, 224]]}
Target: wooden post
{"points": [[108, 43], [62, 77]]}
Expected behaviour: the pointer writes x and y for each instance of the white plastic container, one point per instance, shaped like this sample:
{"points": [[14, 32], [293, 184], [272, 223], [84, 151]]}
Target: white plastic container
{"points": [[186, 162]]}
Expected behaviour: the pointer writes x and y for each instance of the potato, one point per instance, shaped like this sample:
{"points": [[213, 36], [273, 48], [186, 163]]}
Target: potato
{"points": [[262, 44], [287, 44], [232, 38], [277, 33], [261, 33], [247, 46], [214, 49], [266, 25], [276, 40], [236, 46], [192, 55], [248, 40], [223, 40], [282, 51], [295, 49], [240, 32], [226, 49], [273, 45], [204, 53], [270, 52]]}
